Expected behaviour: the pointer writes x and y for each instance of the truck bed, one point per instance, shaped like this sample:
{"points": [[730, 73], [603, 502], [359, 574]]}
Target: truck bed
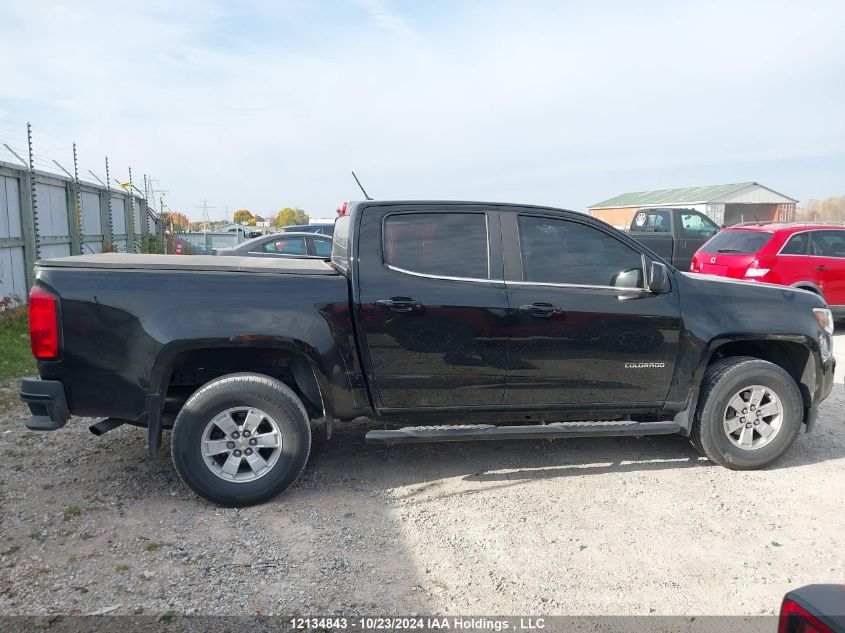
{"points": [[127, 320], [127, 261]]}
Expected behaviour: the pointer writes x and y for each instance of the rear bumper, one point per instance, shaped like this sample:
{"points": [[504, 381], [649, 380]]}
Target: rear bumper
{"points": [[47, 403]]}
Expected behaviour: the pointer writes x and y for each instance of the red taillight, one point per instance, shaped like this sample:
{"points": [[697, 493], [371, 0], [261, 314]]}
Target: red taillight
{"points": [[342, 209], [43, 324], [796, 619]]}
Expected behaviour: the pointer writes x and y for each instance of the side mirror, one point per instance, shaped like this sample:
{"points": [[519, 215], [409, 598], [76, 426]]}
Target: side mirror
{"points": [[658, 278], [628, 279]]}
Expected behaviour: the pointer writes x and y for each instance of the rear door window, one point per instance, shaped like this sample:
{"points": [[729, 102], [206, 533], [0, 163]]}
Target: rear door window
{"points": [[828, 243], [737, 242], [438, 244], [322, 247], [798, 244], [284, 246]]}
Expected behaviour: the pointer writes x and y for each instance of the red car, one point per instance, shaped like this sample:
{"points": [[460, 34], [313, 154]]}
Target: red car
{"points": [[808, 256]]}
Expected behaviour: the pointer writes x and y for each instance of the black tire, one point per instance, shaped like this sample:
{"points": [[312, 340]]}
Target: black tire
{"points": [[722, 380], [696, 444], [228, 392]]}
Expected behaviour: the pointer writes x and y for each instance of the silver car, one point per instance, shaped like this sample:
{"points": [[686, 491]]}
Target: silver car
{"points": [[296, 245]]}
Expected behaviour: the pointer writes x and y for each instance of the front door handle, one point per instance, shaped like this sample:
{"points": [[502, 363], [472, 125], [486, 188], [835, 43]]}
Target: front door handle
{"points": [[821, 268], [540, 310], [399, 304]]}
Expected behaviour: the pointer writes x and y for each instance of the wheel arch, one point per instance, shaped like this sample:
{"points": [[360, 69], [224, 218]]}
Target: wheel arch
{"points": [[809, 286], [794, 355], [181, 369]]}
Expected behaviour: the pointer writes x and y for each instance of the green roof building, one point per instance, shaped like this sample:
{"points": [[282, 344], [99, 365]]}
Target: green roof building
{"points": [[724, 204]]}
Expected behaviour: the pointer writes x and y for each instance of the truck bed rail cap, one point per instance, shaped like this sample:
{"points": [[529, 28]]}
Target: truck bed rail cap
{"points": [[129, 261]]}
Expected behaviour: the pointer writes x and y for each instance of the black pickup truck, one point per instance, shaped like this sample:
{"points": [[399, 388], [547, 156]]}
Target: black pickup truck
{"points": [[673, 233], [446, 321]]}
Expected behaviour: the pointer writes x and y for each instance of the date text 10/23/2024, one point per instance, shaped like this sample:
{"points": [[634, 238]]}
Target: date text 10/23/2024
{"points": [[419, 623]]}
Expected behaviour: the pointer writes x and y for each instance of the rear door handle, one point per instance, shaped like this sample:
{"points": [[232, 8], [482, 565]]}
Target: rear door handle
{"points": [[540, 310], [821, 268], [398, 304]]}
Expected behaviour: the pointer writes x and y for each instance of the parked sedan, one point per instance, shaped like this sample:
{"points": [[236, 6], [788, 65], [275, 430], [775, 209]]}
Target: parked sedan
{"points": [[322, 229], [807, 256], [299, 245]]}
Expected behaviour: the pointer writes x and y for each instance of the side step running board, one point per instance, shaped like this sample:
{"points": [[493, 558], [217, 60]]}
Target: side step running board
{"points": [[470, 432]]}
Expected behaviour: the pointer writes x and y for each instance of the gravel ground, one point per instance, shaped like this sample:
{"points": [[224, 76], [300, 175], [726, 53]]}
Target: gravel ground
{"points": [[583, 526]]}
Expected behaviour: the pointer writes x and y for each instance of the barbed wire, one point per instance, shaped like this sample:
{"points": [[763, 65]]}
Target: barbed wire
{"points": [[48, 152]]}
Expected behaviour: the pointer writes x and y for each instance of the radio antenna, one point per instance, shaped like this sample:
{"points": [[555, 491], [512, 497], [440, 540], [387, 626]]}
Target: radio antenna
{"points": [[366, 195]]}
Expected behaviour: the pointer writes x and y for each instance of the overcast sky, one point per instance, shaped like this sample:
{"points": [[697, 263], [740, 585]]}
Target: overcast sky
{"points": [[262, 105]]}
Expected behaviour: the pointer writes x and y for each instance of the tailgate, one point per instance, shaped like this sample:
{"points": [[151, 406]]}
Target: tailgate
{"points": [[726, 265]]}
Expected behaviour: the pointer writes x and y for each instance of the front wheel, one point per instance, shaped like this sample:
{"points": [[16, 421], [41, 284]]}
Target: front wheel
{"points": [[750, 412], [241, 440]]}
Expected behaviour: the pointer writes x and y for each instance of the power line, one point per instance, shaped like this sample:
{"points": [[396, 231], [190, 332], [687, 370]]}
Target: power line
{"points": [[205, 209]]}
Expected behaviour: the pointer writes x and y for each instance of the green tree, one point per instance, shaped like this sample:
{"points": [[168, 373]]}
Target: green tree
{"points": [[243, 216], [291, 215], [179, 221]]}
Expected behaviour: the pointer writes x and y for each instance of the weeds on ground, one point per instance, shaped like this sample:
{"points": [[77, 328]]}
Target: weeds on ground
{"points": [[167, 617], [71, 512], [15, 356], [38, 536]]}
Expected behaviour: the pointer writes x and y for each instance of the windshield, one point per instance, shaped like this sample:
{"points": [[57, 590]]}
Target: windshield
{"points": [[737, 242]]}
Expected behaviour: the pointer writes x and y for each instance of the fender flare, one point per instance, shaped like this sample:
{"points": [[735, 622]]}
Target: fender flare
{"points": [[812, 364], [305, 368]]}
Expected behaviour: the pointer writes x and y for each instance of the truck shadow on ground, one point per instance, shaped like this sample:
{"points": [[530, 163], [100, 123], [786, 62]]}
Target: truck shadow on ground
{"points": [[522, 461]]}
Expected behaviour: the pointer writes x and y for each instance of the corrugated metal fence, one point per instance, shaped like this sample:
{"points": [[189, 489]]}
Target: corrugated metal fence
{"points": [[55, 225]]}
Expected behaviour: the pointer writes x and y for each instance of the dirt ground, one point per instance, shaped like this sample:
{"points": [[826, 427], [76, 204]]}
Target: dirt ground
{"points": [[584, 526]]}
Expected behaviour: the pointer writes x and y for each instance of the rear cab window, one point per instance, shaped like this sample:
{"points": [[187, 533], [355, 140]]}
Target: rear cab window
{"points": [[737, 242], [437, 244], [340, 244], [653, 221]]}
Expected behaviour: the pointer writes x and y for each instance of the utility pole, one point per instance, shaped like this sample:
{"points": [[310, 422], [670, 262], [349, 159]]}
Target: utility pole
{"points": [[205, 207]]}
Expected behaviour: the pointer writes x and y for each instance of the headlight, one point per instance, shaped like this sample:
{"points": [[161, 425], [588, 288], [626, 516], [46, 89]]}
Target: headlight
{"points": [[825, 318]]}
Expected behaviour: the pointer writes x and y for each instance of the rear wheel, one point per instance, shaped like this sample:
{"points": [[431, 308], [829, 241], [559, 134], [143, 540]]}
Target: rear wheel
{"points": [[750, 413], [241, 440]]}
